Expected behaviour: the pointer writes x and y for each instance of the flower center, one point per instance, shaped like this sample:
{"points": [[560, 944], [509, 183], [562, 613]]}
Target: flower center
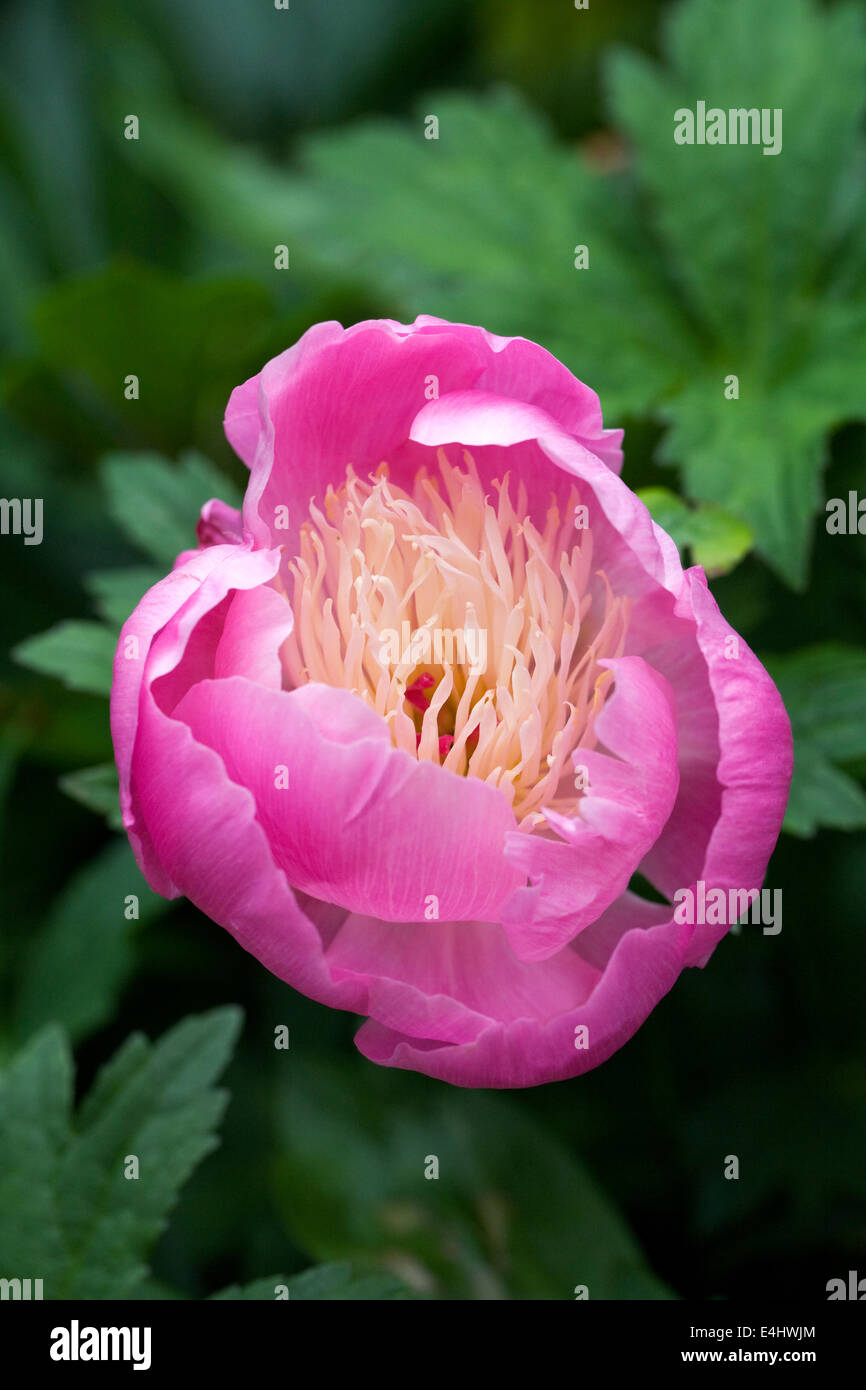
{"points": [[476, 636]]}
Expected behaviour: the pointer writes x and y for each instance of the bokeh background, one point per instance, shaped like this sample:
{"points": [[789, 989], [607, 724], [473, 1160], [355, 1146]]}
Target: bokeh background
{"points": [[155, 256]]}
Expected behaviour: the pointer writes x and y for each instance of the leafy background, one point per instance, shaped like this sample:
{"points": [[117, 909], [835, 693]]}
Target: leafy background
{"points": [[155, 1037]]}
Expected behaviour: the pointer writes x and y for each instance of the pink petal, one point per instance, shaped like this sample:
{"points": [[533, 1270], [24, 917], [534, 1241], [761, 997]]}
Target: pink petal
{"points": [[173, 606], [219, 524], [734, 787], [297, 434], [256, 624], [361, 823], [506, 435], [529, 1051], [309, 428], [524, 371], [204, 832], [632, 788], [449, 980]]}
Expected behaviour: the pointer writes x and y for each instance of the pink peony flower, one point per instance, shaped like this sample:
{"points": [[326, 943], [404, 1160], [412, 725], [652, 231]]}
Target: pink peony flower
{"points": [[408, 725]]}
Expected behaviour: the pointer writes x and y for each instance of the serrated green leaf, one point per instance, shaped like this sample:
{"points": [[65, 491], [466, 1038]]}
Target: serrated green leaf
{"points": [[35, 1105], [68, 1213], [824, 689], [770, 276], [164, 1114], [745, 229], [333, 1281], [80, 960], [80, 654], [116, 593], [157, 503], [757, 457]]}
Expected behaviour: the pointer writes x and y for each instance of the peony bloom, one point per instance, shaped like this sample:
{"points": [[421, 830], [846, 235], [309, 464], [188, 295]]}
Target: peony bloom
{"points": [[410, 723]]}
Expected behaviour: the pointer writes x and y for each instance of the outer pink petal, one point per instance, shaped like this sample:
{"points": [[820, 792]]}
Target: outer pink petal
{"points": [[735, 789], [524, 371], [449, 980], [174, 605], [632, 788], [645, 963], [436, 980], [247, 415], [204, 831], [337, 397], [297, 430], [361, 823]]}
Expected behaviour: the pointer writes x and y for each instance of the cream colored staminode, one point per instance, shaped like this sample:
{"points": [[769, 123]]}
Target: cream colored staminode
{"points": [[447, 559]]}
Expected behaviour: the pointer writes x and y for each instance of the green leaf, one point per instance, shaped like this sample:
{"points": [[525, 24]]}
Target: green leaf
{"points": [[35, 1105], [669, 511], [116, 593], [824, 689], [821, 795], [758, 457], [79, 962], [80, 654], [377, 200], [187, 343], [40, 59], [718, 540], [767, 251], [157, 503], [332, 1281], [511, 1214], [97, 789], [68, 1215], [747, 231]]}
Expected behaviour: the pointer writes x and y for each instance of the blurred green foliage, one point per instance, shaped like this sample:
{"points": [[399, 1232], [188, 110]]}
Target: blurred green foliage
{"points": [[700, 266], [155, 257]]}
